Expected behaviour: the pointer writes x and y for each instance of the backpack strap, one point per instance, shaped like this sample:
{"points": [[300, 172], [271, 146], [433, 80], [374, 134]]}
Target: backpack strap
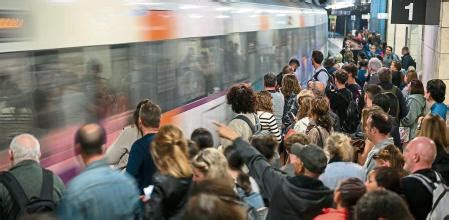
{"points": [[47, 185], [246, 119], [15, 190], [315, 77], [319, 133], [424, 180]]}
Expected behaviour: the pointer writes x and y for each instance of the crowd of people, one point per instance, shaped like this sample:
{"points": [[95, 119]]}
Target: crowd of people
{"points": [[364, 140]]}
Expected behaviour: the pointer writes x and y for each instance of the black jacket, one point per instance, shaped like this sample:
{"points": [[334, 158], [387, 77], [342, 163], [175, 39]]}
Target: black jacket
{"points": [[417, 196], [407, 61], [298, 197], [169, 197]]}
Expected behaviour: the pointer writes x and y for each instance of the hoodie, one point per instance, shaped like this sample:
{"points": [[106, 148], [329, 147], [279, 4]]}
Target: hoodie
{"points": [[416, 104], [298, 197]]}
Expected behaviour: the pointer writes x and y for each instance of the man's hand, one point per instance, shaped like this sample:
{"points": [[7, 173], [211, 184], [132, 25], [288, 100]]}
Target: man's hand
{"points": [[226, 132]]}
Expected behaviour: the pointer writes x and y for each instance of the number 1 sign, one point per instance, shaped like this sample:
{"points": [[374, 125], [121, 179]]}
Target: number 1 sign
{"points": [[425, 12]]}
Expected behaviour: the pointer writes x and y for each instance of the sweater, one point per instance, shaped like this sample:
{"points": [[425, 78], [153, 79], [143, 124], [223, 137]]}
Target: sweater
{"points": [[268, 123]]}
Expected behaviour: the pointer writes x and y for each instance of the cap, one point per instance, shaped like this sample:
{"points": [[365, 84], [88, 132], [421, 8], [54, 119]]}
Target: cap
{"points": [[312, 157]]}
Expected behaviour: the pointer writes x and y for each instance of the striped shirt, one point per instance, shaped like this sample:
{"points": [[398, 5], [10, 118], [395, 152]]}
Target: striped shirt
{"points": [[268, 123]]}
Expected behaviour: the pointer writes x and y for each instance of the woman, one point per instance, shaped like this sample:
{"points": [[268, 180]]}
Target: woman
{"points": [[391, 156], [340, 166], [290, 89], [304, 100], [383, 177], [264, 109], [396, 74], [118, 153], [433, 127], [346, 195], [172, 183], [416, 105], [320, 125], [210, 163], [242, 100], [411, 75]]}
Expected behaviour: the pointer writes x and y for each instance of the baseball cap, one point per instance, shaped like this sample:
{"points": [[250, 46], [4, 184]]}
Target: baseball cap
{"points": [[312, 157]]}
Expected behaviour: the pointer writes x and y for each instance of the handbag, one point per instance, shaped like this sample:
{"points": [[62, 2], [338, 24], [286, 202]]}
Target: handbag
{"points": [[404, 133]]}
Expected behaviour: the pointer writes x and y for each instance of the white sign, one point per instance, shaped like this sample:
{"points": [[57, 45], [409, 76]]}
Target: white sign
{"points": [[366, 16], [382, 16], [353, 17]]}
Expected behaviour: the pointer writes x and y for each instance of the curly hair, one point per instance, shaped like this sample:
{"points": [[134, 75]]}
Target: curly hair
{"points": [[290, 85], [296, 138], [263, 101], [434, 127], [339, 146], [320, 109], [212, 163], [241, 98], [170, 152]]}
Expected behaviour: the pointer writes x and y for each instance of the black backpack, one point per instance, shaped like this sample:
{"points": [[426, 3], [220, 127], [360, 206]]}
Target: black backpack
{"points": [[330, 81], [351, 120], [35, 205]]}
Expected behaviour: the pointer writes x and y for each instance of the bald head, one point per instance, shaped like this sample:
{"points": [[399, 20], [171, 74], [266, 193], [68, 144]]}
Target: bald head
{"points": [[90, 138], [25, 147], [419, 154], [317, 88]]}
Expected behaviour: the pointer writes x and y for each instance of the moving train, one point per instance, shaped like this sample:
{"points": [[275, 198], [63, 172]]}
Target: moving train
{"points": [[69, 62]]}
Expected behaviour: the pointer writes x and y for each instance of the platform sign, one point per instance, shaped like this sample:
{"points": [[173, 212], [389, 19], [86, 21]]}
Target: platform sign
{"points": [[426, 12]]}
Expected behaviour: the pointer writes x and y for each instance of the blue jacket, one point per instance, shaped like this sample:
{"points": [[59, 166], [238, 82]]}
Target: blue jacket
{"points": [[440, 109], [140, 163], [101, 193]]}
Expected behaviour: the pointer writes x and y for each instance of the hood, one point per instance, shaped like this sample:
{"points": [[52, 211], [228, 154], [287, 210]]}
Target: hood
{"points": [[306, 193], [417, 97]]}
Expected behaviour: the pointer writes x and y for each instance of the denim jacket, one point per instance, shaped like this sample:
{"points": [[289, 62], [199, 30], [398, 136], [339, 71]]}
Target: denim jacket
{"points": [[101, 193]]}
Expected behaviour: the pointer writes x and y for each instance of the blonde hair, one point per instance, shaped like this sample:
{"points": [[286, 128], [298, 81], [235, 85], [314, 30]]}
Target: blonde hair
{"points": [[434, 127], [339, 145], [212, 163], [169, 150]]}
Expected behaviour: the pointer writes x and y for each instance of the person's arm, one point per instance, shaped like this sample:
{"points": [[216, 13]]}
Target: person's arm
{"points": [[265, 175], [154, 206], [274, 129], [402, 104]]}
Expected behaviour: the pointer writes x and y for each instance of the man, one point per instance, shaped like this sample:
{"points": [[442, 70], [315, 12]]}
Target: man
{"points": [[374, 65], [24, 154], [351, 83], [435, 95], [407, 59], [419, 156], [293, 64], [140, 163], [381, 204], [320, 73], [340, 98], [269, 81], [370, 92], [378, 128], [389, 57], [399, 109], [99, 192], [300, 197], [373, 52]]}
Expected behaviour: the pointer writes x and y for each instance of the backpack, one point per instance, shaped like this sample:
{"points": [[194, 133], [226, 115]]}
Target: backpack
{"points": [[34, 205], [256, 129], [440, 193], [330, 81], [394, 101], [351, 120], [254, 202]]}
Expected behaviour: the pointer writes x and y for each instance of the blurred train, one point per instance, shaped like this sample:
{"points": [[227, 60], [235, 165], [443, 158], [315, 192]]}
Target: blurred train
{"points": [[68, 62]]}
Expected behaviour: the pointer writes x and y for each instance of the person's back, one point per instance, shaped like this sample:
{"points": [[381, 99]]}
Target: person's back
{"points": [[99, 192], [140, 163], [419, 156], [278, 106], [29, 175]]}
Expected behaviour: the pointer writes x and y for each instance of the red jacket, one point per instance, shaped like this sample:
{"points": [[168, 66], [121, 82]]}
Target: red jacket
{"points": [[333, 214]]}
